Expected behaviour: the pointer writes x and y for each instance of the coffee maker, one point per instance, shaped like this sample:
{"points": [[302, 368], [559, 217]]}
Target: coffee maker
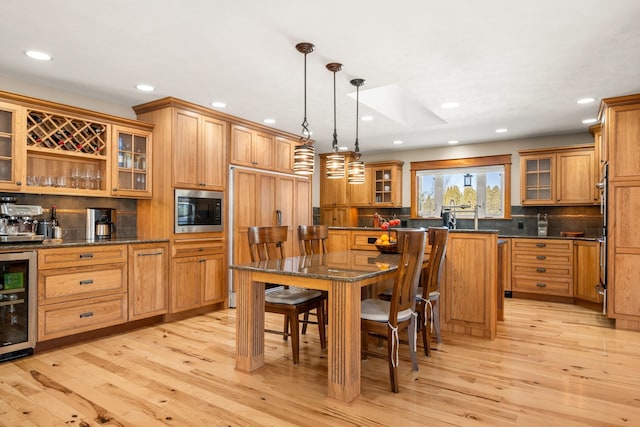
{"points": [[101, 223]]}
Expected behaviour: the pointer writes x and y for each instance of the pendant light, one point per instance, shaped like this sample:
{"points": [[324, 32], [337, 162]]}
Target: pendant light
{"points": [[356, 167], [335, 161], [303, 155]]}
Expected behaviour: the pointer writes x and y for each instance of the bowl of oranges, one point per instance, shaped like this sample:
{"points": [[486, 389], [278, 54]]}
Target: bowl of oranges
{"points": [[387, 243]]}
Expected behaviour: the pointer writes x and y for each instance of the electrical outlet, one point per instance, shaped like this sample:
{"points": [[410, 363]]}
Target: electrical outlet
{"points": [[520, 225]]}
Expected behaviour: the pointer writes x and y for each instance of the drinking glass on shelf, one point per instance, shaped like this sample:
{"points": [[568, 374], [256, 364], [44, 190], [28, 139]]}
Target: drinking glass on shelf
{"points": [[98, 179], [87, 178], [75, 177]]}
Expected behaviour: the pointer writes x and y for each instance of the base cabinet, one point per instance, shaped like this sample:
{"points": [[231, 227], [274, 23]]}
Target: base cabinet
{"points": [[587, 270], [542, 266], [148, 280]]}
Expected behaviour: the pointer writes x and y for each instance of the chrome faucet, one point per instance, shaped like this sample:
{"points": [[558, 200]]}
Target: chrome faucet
{"points": [[475, 217]]}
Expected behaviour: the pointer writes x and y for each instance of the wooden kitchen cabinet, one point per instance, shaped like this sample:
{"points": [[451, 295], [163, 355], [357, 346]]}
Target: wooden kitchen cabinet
{"points": [[199, 151], [198, 271], [586, 270], [253, 148], [601, 156], [361, 195], [283, 156], [81, 289], [542, 266], [559, 176], [131, 164], [386, 184], [620, 118], [11, 165], [148, 271]]}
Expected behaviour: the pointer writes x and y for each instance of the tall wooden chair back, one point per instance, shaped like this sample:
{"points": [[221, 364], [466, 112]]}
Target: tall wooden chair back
{"points": [[407, 278], [267, 243], [313, 239], [433, 273]]}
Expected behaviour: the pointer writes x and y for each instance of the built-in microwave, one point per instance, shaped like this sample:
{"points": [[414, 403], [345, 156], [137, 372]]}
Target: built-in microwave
{"points": [[198, 211]]}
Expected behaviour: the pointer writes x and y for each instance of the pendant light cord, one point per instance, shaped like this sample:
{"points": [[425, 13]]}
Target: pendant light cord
{"points": [[357, 114], [335, 132], [305, 125]]}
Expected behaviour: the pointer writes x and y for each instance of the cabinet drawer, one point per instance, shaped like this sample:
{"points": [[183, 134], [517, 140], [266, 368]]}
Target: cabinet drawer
{"points": [[364, 240], [197, 247], [555, 286], [542, 259], [59, 320], [85, 255], [543, 271], [80, 282], [543, 245]]}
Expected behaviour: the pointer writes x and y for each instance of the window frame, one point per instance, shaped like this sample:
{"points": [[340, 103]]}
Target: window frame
{"points": [[469, 162]]}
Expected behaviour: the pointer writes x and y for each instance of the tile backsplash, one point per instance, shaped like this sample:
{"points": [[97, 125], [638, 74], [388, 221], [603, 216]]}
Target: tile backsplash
{"points": [[71, 212]]}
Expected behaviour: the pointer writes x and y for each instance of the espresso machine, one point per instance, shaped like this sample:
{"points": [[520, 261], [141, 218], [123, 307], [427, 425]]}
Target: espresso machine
{"points": [[101, 223], [18, 223]]}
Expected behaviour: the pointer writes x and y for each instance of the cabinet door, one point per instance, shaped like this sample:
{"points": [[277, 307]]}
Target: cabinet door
{"points": [[244, 212], [575, 177], [11, 168], [338, 241], [361, 194], [213, 160], [284, 155], [148, 280], [132, 165], [185, 149], [264, 147], [536, 179], [285, 205], [214, 283], [587, 270], [186, 279], [241, 146]]}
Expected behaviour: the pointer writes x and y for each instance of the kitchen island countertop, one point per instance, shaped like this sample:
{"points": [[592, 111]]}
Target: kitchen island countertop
{"points": [[74, 243]]}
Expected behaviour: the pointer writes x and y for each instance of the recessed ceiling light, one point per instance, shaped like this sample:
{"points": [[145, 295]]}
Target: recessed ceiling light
{"points": [[585, 100], [366, 118], [218, 104], [450, 105], [588, 121], [453, 141], [40, 56], [397, 142], [145, 87], [269, 121], [501, 130]]}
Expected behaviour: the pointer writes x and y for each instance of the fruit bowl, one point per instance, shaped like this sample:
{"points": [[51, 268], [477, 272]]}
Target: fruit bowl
{"points": [[391, 248]]}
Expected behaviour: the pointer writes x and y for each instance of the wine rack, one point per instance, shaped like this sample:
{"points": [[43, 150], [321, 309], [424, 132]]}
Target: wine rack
{"points": [[65, 134]]}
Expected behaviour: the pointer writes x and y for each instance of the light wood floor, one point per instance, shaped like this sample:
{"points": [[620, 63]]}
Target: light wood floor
{"points": [[551, 365]]}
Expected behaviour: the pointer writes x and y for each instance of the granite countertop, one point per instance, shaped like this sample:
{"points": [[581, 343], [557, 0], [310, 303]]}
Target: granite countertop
{"points": [[64, 243]]}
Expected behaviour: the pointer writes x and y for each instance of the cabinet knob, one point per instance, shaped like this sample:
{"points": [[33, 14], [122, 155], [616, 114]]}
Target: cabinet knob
{"points": [[18, 182]]}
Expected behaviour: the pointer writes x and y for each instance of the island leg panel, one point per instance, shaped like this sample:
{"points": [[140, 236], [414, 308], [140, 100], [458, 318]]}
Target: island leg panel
{"points": [[344, 341], [249, 322]]}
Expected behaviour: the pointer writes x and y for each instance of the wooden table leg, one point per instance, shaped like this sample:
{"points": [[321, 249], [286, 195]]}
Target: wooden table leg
{"points": [[249, 322], [344, 341]]}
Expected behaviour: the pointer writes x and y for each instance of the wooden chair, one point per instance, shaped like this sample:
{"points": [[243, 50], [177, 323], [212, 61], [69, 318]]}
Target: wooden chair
{"points": [[386, 319], [428, 306], [312, 241], [267, 243]]}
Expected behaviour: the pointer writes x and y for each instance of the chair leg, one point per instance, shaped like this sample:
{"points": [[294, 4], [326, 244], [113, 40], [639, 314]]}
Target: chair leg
{"points": [[304, 324], [413, 343], [393, 370], [426, 335], [295, 338], [436, 319], [321, 327], [364, 344]]}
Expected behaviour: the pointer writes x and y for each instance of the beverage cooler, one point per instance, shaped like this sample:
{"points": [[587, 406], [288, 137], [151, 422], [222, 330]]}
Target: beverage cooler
{"points": [[17, 304]]}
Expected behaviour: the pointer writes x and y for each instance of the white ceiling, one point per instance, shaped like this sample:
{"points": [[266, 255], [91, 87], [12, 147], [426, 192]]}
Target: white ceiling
{"points": [[519, 65]]}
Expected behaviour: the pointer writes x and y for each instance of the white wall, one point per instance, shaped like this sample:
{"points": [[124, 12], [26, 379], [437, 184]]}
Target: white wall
{"points": [[468, 150]]}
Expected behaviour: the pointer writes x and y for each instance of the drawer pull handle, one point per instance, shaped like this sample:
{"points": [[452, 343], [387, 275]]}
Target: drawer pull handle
{"points": [[86, 282], [150, 253], [541, 270], [541, 245], [201, 260], [541, 285], [541, 257], [86, 256], [87, 314]]}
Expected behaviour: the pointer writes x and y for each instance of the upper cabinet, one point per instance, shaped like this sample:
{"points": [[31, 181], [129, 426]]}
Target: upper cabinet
{"points": [[600, 150], [10, 121], [382, 186], [284, 154], [558, 176], [253, 148], [199, 149], [49, 148]]}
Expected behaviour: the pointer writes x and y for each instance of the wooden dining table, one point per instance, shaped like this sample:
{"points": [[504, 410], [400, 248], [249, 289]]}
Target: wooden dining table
{"points": [[342, 275]]}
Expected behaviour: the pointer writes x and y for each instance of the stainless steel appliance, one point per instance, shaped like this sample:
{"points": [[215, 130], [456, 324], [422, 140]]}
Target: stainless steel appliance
{"points": [[198, 211], [100, 224], [17, 304], [602, 285], [18, 223]]}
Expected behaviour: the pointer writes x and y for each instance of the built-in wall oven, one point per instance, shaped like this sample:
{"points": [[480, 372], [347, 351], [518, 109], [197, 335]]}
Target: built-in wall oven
{"points": [[198, 211], [17, 304]]}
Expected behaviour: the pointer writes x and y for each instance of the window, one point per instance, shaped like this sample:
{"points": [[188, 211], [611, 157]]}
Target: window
{"points": [[440, 184]]}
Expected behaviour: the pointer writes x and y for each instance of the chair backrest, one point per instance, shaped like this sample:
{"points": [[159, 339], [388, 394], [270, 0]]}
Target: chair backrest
{"points": [[406, 282], [267, 242], [312, 239], [438, 237]]}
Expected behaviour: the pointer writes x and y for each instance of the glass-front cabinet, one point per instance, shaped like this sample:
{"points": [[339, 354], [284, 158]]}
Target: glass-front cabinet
{"points": [[537, 173], [9, 119], [132, 162], [386, 183]]}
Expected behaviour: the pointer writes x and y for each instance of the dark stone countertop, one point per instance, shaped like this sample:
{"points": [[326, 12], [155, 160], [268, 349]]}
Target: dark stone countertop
{"points": [[17, 246]]}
